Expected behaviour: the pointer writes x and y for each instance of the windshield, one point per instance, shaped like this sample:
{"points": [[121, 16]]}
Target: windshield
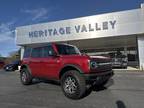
{"points": [[67, 50]]}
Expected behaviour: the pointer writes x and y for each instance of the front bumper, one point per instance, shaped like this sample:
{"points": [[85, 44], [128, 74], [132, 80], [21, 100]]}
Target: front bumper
{"points": [[98, 77]]}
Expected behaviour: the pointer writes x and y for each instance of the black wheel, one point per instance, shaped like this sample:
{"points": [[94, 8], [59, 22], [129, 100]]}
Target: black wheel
{"points": [[73, 84], [25, 77], [7, 69]]}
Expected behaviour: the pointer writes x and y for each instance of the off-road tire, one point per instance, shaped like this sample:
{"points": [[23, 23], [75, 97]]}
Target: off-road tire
{"points": [[80, 84], [25, 76]]}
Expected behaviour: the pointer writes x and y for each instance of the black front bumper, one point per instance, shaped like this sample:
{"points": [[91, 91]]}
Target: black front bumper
{"points": [[98, 77]]}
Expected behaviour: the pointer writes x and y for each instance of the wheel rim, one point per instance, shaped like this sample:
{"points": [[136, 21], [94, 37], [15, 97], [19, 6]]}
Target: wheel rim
{"points": [[24, 77], [70, 85]]}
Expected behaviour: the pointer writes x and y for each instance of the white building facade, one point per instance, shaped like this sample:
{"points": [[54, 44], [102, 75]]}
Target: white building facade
{"points": [[98, 33]]}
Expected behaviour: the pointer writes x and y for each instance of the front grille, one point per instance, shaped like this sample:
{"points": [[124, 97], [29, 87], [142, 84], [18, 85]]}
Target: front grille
{"points": [[103, 65], [104, 68]]}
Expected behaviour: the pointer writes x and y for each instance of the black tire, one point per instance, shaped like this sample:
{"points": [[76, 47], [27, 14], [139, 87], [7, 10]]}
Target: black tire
{"points": [[25, 77], [7, 69], [76, 86]]}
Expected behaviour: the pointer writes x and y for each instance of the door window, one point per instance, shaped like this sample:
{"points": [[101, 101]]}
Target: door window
{"points": [[48, 51], [36, 52], [27, 52]]}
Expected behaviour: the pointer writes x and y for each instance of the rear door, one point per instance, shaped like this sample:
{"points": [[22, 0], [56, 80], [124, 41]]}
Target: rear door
{"points": [[35, 61]]}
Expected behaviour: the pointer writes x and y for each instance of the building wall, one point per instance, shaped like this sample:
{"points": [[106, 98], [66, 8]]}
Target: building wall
{"points": [[141, 42], [97, 26], [21, 53], [141, 51]]}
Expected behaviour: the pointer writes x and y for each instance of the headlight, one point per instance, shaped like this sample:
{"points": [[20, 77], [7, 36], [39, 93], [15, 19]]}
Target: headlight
{"points": [[93, 64]]}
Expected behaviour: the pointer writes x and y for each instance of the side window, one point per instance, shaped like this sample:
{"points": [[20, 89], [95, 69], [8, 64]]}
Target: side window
{"points": [[27, 52], [36, 52], [48, 51]]}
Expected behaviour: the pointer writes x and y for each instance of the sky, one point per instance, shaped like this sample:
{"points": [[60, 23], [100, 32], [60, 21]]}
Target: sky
{"points": [[15, 13]]}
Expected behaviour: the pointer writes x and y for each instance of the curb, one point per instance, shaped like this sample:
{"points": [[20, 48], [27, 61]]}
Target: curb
{"points": [[128, 70]]}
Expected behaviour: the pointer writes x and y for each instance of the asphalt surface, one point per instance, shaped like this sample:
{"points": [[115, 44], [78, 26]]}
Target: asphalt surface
{"points": [[126, 92]]}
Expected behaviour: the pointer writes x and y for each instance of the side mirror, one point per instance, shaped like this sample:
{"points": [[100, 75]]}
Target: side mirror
{"points": [[54, 54]]}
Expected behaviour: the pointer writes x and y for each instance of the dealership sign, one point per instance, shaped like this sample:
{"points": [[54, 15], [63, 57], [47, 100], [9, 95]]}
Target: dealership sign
{"points": [[91, 27], [77, 29]]}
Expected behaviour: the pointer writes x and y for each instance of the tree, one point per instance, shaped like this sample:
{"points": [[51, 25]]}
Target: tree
{"points": [[15, 55]]}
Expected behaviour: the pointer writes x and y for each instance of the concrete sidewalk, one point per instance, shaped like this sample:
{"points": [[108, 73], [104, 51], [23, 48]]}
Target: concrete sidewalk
{"points": [[129, 69]]}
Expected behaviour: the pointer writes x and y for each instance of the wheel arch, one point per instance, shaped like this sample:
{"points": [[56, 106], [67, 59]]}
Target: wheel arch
{"points": [[27, 67], [70, 67]]}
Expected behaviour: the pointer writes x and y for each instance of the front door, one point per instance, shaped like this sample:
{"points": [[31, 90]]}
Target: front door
{"points": [[51, 63]]}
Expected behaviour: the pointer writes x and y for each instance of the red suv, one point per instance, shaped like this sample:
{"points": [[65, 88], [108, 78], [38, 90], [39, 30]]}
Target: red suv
{"points": [[66, 64]]}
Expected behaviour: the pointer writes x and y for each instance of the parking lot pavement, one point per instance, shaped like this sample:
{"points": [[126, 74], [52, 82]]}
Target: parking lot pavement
{"points": [[126, 92]]}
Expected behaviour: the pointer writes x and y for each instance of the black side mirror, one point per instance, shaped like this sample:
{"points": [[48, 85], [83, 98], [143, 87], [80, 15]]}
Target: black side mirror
{"points": [[54, 54]]}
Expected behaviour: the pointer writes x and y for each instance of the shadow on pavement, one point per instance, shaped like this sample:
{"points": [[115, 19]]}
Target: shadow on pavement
{"points": [[36, 81], [120, 104], [98, 88], [88, 91]]}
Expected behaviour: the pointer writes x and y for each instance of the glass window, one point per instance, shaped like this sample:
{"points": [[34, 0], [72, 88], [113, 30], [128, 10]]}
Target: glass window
{"points": [[48, 51], [67, 50], [27, 52], [36, 52]]}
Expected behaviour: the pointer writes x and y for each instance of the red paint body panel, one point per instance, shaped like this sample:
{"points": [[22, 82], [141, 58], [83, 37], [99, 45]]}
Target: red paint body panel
{"points": [[50, 67]]}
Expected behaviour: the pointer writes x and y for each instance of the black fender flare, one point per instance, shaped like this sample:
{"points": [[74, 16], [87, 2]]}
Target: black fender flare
{"points": [[25, 66], [74, 66]]}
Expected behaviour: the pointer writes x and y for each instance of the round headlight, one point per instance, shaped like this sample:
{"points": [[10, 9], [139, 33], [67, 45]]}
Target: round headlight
{"points": [[93, 64]]}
